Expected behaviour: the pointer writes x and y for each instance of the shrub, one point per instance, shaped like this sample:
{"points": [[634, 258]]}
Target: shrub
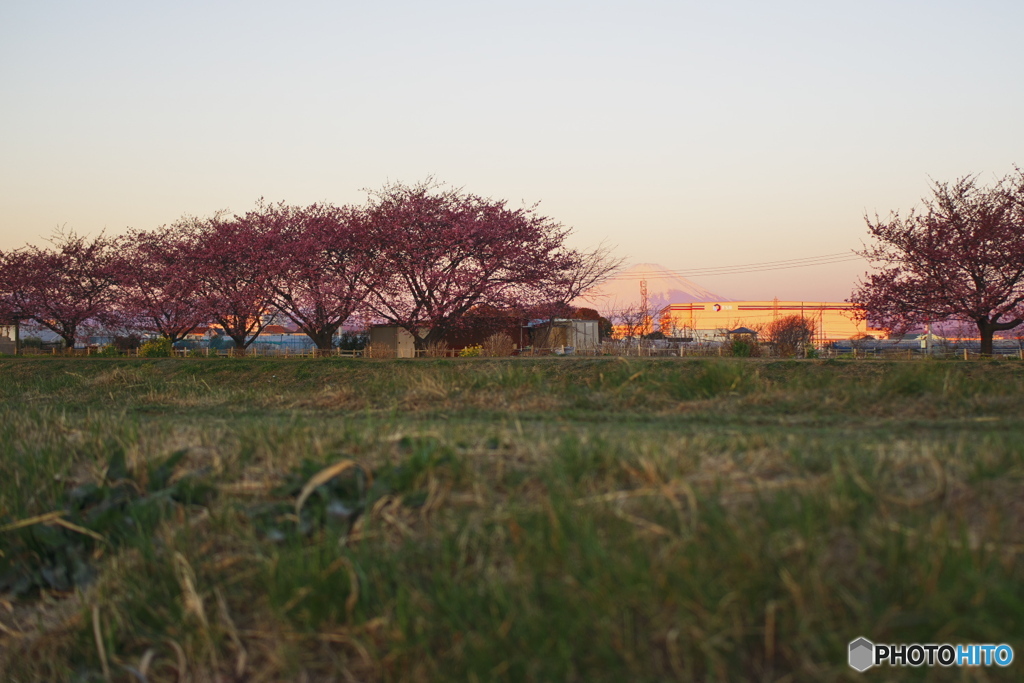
{"points": [[743, 346], [109, 351], [471, 351], [789, 334], [353, 341], [127, 342], [156, 348], [498, 345], [437, 349]]}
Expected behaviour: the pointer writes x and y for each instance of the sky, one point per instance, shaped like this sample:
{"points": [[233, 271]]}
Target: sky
{"points": [[693, 135]]}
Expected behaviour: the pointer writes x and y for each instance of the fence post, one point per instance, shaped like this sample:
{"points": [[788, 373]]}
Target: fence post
{"points": [[965, 354]]}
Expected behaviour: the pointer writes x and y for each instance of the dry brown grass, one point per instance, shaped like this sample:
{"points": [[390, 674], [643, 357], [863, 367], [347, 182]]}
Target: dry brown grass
{"points": [[498, 345], [336, 398], [379, 350], [118, 377], [437, 350], [655, 528]]}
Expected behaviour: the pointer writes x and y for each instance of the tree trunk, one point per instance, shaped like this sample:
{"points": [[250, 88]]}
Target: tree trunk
{"points": [[434, 336], [987, 332], [988, 328], [177, 334], [324, 342], [324, 339]]}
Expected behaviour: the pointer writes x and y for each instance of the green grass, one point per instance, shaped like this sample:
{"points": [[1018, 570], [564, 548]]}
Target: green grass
{"points": [[506, 520]]}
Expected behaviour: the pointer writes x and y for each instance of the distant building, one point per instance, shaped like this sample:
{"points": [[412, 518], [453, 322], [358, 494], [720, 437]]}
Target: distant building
{"points": [[278, 330], [203, 333], [712, 320]]}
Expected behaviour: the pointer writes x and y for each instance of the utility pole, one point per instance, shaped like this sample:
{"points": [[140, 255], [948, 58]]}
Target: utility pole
{"points": [[643, 307]]}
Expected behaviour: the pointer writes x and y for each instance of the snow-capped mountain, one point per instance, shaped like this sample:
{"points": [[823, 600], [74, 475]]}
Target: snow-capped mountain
{"points": [[663, 287]]}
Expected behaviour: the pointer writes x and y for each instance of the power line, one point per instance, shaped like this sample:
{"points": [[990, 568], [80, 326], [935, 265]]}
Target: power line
{"points": [[792, 260], [823, 260], [740, 271], [800, 262]]}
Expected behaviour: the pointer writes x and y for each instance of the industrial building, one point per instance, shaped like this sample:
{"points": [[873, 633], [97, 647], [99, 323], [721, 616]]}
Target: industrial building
{"points": [[711, 321]]}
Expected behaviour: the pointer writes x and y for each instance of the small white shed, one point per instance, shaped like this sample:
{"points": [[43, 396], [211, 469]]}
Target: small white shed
{"points": [[395, 337]]}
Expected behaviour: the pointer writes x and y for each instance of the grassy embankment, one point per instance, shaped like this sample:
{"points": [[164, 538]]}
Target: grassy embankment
{"points": [[513, 519]]}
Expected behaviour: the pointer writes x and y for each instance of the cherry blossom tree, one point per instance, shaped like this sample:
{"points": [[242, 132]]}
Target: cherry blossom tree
{"points": [[318, 261], [959, 257], [582, 271], [8, 311], [63, 287], [224, 255], [158, 291], [448, 251]]}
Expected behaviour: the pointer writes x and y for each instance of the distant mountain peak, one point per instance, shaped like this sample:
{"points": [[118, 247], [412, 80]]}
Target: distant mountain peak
{"points": [[664, 287]]}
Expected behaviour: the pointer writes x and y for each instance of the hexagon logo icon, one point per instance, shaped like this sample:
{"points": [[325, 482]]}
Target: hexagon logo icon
{"points": [[862, 654]]}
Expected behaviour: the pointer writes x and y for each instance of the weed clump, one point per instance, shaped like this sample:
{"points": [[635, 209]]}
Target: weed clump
{"points": [[57, 550], [156, 348]]}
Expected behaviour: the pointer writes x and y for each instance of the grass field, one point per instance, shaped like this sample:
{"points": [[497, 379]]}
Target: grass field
{"points": [[505, 519]]}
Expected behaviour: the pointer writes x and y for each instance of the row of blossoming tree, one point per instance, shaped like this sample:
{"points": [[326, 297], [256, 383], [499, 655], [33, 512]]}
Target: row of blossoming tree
{"points": [[420, 256]]}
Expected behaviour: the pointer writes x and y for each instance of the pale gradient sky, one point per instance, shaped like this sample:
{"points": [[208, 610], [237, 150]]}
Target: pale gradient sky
{"points": [[689, 134]]}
